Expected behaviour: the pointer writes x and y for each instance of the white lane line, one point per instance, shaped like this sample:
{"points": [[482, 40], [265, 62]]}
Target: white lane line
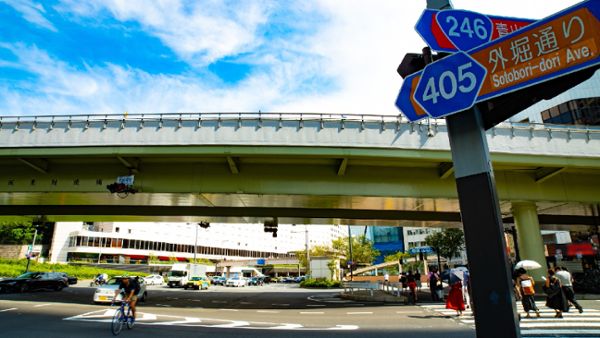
{"points": [[280, 304], [236, 323], [343, 327], [560, 324], [285, 326], [11, 309], [246, 303], [267, 311], [311, 313], [42, 305], [559, 333], [232, 310], [315, 305], [219, 301], [163, 305], [359, 313]]}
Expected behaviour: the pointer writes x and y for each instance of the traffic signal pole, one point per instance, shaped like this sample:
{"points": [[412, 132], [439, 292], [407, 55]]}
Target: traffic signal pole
{"points": [[494, 303]]}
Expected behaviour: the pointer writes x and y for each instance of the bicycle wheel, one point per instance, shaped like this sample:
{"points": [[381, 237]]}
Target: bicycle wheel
{"points": [[117, 322], [129, 318]]}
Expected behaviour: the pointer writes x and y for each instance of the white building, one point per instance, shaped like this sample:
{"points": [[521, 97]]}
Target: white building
{"points": [[130, 242], [415, 238]]}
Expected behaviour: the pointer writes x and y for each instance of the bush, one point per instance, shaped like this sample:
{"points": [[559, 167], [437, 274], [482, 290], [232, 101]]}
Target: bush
{"points": [[320, 283], [13, 268]]}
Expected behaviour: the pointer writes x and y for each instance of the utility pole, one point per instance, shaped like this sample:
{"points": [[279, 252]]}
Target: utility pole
{"points": [[195, 242], [307, 251], [351, 258], [35, 226]]}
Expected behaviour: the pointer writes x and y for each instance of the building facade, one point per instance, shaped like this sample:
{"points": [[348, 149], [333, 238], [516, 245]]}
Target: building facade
{"points": [[131, 243]]}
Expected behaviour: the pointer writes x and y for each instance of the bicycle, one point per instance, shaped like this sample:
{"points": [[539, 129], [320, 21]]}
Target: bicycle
{"points": [[122, 317]]}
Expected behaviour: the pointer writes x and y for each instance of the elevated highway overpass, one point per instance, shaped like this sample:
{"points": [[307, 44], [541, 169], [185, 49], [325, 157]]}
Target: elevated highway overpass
{"points": [[302, 168]]}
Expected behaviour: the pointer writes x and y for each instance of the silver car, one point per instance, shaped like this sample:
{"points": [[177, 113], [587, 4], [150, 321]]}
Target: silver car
{"points": [[106, 293], [154, 280]]}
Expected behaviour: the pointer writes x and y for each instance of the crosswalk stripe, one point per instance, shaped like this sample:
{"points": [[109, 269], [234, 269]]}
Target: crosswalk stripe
{"points": [[572, 325]]}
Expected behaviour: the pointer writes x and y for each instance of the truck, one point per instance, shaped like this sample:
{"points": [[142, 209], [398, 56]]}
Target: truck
{"points": [[181, 273]]}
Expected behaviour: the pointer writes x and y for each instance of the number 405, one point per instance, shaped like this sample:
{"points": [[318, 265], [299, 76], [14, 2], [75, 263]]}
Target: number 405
{"points": [[449, 83]]}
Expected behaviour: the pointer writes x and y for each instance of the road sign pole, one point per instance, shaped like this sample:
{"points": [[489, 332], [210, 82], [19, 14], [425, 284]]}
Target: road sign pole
{"points": [[494, 303]]}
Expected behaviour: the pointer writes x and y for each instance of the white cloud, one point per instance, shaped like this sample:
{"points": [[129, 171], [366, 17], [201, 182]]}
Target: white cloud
{"points": [[32, 12], [200, 32], [355, 52]]}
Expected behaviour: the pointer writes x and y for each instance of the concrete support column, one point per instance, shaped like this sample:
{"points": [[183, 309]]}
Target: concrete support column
{"points": [[529, 236]]}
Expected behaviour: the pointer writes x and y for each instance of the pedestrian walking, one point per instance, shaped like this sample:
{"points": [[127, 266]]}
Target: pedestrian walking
{"points": [[525, 289], [566, 280], [412, 287], [418, 280], [556, 297], [455, 299], [434, 279]]}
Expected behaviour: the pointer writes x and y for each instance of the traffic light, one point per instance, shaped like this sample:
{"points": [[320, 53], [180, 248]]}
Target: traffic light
{"points": [[271, 226]]}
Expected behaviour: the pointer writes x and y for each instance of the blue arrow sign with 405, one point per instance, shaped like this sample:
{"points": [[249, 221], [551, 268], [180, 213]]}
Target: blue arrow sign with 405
{"points": [[450, 85]]}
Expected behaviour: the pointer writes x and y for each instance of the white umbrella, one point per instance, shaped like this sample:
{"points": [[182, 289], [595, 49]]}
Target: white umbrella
{"points": [[528, 265]]}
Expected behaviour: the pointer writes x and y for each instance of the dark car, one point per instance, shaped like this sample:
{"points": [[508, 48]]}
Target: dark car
{"points": [[34, 281], [71, 280], [218, 280], [256, 281]]}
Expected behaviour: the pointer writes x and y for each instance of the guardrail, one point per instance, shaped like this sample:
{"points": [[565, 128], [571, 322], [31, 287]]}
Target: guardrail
{"points": [[86, 121]]}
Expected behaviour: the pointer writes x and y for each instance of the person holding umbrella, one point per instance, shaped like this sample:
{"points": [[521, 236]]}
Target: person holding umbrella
{"points": [[556, 297], [526, 292]]}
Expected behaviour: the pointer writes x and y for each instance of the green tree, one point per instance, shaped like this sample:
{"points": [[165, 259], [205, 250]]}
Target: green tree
{"points": [[446, 243], [18, 233], [316, 251], [363, 251]]}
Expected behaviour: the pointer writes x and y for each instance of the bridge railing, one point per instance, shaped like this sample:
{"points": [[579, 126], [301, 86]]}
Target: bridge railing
{"points": [[104, 120]]}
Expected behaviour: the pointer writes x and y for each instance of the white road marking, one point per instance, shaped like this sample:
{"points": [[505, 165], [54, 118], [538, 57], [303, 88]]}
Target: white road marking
{"points": [[280, 304], [359, 313], [560, 333], [267, 311], [232, 310], [246, 303], [11, 309], [344, 327], [315, 305], [311, 313], [235, 323], [105, 316], [219, 301], [42, 305]]}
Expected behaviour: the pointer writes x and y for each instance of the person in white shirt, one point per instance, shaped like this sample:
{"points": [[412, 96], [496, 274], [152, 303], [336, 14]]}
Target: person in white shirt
{"points": [[566, 281]]}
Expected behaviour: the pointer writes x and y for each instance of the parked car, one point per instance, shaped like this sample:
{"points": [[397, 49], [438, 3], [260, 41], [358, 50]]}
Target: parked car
{"points": [[300, 279], [197, 283], [256, 281], [30, 281], [218, 280], [236, 281], [105, 293], [288, 280], [154, 280]]}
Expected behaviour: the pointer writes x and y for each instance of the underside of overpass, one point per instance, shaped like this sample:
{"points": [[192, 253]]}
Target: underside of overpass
{"points": [[248, 182]]}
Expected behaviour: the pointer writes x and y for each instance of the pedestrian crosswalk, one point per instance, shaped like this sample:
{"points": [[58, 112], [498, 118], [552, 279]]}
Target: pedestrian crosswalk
{"points": [[573, 324]]}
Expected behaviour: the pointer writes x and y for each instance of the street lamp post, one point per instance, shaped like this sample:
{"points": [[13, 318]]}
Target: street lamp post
{"points": [[32, 246], [307, 251]]}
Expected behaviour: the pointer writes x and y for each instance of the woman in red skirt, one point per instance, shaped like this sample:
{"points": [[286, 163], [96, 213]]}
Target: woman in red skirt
{"points": [[455, 299]]}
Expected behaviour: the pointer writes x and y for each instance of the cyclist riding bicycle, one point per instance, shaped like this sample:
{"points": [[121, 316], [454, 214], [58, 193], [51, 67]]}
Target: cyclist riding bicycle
{"points": [[130, 288]]}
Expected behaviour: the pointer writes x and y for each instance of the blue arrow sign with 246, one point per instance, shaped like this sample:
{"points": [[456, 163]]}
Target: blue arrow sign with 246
{"points": [[449, 85]]}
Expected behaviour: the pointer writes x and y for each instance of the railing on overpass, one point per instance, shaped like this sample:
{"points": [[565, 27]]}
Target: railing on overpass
{"points": [[88, 121]]}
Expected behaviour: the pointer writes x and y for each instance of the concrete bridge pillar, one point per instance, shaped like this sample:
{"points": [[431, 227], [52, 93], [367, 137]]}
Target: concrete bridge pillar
{"points": [[529, 236]]}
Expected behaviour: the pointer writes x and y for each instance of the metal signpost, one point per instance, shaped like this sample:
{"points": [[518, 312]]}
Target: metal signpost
{"points": [[454, 30], [561, 44]]}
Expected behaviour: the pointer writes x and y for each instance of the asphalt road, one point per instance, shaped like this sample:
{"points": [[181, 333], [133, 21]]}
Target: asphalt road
{"points": [[272, 310]]}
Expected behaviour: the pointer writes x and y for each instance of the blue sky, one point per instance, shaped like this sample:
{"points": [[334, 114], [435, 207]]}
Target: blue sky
{"points": [[144, 56]]}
